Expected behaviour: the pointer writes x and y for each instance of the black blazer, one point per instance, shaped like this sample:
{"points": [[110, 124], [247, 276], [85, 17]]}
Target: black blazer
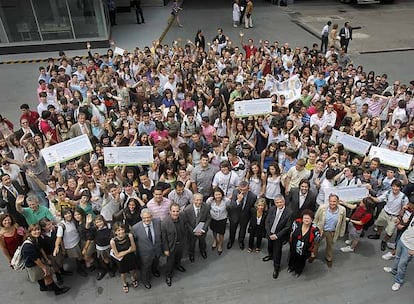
{"points": [[191, 221], [292, 202], [10, 203], [169, 233], [236, 213], [283, 227], [255, 228], [342, 33]]}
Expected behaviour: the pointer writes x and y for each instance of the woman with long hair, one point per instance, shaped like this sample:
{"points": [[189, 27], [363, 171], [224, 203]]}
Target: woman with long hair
{"points": [[37, 265], [255, 179], [11, 235], [272, 183]]}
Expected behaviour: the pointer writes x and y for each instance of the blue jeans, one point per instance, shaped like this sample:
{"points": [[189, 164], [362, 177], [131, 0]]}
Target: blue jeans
{"points": [[402, 258]]}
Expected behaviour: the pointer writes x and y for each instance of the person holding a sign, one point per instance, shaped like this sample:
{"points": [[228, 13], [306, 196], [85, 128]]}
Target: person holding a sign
{"points": [[361, 216]]}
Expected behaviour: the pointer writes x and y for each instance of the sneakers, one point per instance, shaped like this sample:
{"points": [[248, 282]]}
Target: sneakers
{"points": [[395, 286], [347, 249], [388, 269], [388, 256], [348, 242]]}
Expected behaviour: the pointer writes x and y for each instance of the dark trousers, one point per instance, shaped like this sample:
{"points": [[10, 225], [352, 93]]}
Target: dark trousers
{"points": [[324, 44], [192, 239], [174, 259], [242, 231], [297, 262], [258, 235], [138, 12], [242, 14], [344, 44], [275, 251], [149, 264]]}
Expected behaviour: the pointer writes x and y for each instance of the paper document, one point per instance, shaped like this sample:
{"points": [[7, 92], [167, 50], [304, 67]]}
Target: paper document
{"points": [[199, 227]]}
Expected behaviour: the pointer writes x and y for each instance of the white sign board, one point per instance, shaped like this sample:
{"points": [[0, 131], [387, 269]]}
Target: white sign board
{"points": [[64, 151], [348, 194], [245, 108], [391, 158], [350, 143], [119, 51], [291, 89], [128, 156]]}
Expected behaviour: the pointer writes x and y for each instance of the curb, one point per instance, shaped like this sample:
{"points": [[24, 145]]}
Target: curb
{"points": [[387, 51], [34, 60]]}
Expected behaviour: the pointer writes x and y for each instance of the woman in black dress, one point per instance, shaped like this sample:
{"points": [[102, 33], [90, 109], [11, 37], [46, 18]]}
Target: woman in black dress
{"points": [[257, 224], [302, 240], [123, 251]]}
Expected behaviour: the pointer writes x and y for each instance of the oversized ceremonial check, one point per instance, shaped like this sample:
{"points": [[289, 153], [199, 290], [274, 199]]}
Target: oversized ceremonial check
{"points": [[66, 150], [291, 89], [128, 156], [391, 158], [348, 194], [245, 108], [350, 143]]}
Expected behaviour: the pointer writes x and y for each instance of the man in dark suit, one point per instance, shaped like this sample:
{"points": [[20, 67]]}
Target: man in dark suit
{"points": [[81, 127], [173, 234], [300, 199], [345, 35], [239, 212], [149, 248], [278, 223], [9, 192], [196, 213]]}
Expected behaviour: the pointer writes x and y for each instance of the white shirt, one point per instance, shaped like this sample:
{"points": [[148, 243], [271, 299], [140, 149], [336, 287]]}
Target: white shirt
{"points": [[69, 234]]}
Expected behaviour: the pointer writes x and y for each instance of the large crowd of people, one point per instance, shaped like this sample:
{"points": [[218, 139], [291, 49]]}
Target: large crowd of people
{"points": [[270, 176]]}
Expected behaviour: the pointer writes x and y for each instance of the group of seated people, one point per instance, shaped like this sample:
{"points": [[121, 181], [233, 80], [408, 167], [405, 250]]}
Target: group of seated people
{"points": [[271, 176]]}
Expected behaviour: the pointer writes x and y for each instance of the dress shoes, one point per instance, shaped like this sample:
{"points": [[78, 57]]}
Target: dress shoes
{"points": [[156, 273], [180, 268], [373, 237], [241, 245], [147, 285], [383, 245], [229, 245], [191, 258], [204, 254], [289, 270], [267, 258], [62, 290], [168, 280], [275, 274], [100, 275]]}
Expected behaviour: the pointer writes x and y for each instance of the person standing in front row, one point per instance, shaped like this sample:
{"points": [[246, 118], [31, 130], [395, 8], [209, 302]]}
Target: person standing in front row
{"points": [[405, 253], [345, 35], [148, 236], [331, 221], [173, 239], [248, 23], [278, 223], [324, 38], [196, 213]]}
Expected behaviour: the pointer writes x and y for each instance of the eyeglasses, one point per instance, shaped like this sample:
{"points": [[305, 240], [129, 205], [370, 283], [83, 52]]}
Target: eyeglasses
{"points": [[118, 133]]}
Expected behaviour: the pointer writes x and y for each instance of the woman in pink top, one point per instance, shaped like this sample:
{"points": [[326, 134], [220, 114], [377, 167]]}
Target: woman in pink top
{"points": [[159, 134], [209, 132], [187, 104]]}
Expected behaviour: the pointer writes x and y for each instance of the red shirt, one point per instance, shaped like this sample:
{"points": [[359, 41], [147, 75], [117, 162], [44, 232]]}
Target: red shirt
{"points": [[46, 126], [250, 50], [32, 118], [362, 215]]}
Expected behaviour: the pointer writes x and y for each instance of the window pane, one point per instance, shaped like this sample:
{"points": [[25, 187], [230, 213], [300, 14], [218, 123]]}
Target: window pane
{"points": [[87, 18], [53, 19], [18, 20]]}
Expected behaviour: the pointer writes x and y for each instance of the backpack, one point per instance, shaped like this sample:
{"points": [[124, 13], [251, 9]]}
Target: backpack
{"points": [[17, 261]]}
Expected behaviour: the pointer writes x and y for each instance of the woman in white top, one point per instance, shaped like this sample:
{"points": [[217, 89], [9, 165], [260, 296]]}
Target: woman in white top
{"points": [[272, 180], [236, 13], [68, 240], [218, 212], [255, 179]]}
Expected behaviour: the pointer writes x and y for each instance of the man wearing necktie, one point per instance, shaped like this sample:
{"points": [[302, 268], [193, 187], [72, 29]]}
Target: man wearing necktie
{"points": [[346, 35], [83, 126], [194, 214], [149, 248], [278, 224], [9, 192], [239, 213]]}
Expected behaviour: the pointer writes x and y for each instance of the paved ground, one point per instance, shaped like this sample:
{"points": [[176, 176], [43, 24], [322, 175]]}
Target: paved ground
{"points": [[236, 276]]}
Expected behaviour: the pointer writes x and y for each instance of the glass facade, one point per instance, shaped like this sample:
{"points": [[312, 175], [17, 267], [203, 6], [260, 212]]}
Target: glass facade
{"points": [[52, 20]]}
